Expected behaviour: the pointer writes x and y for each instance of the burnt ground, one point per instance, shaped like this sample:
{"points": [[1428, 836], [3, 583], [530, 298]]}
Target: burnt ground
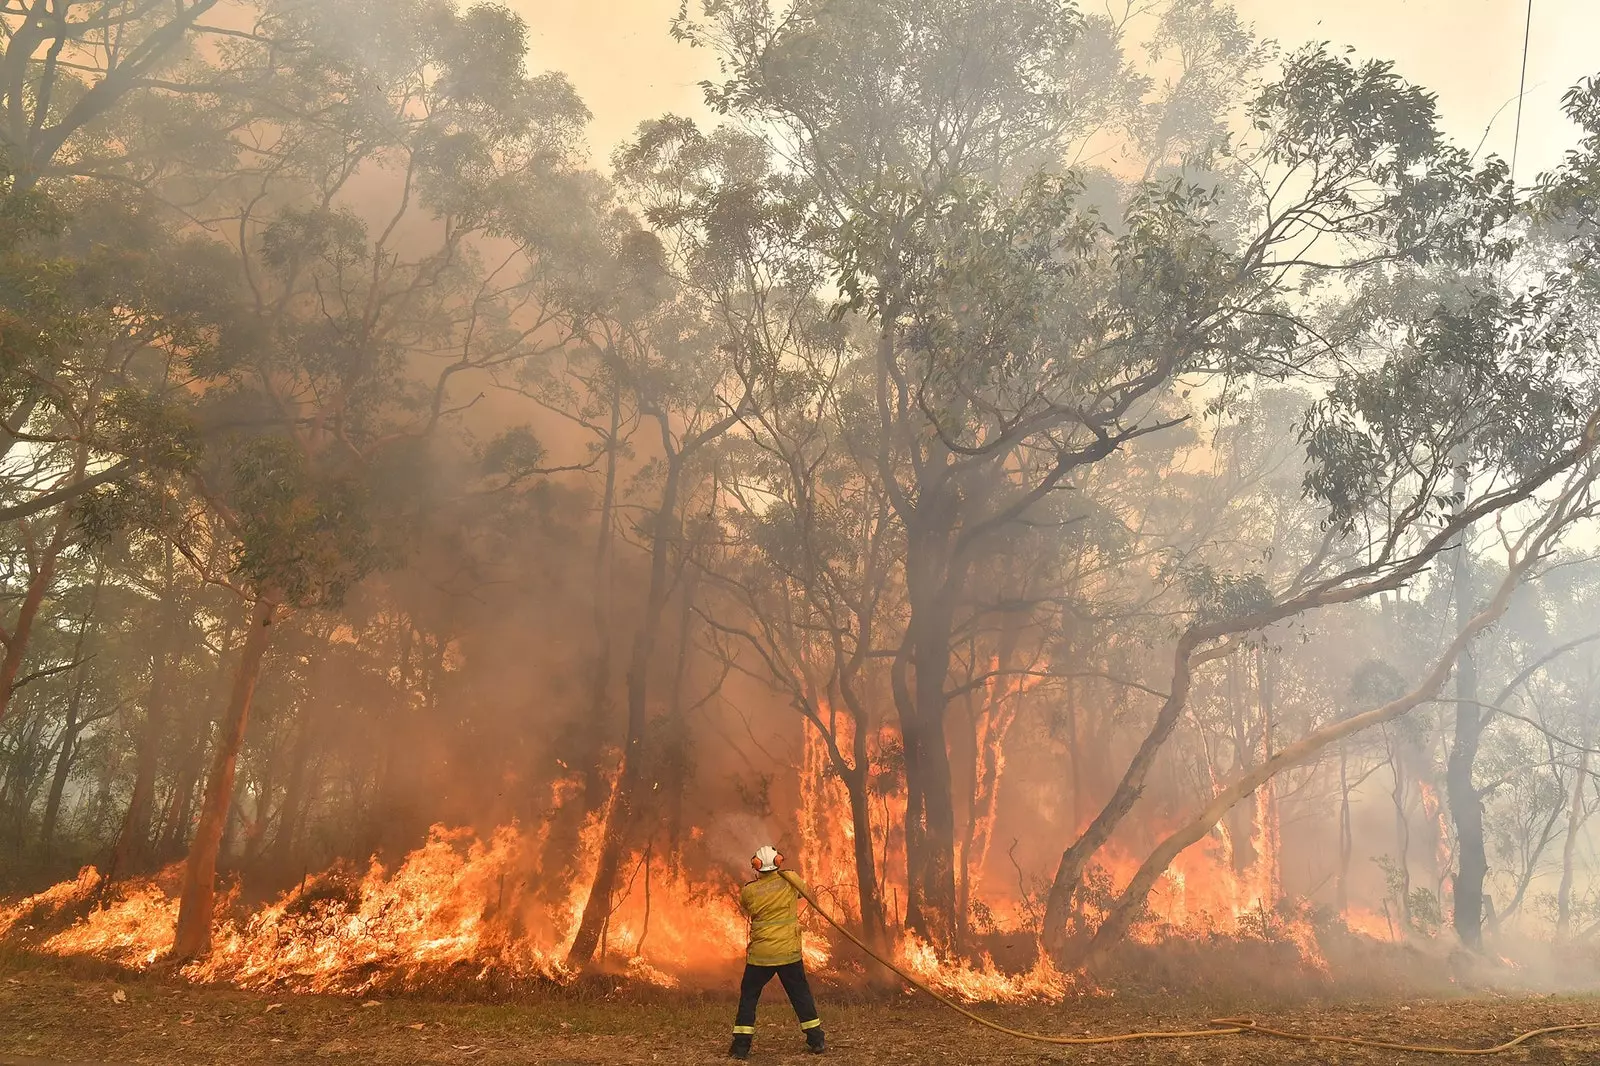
{"points": [[56, 1013]]}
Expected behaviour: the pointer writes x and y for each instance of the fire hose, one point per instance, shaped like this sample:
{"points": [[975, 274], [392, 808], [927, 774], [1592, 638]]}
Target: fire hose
{"points": [[1217, 1026]]}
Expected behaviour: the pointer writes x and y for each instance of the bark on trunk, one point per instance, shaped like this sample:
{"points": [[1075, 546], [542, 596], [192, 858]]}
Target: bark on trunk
{"points": [[1341, 885], [567, 822], [931, 828], [16, 642], [1001, 707], [133, 852], [1466, 806], [1402, 841], [198, 899], [620, 813], [294, 795], [175, 834], [71, 728], [1570, 847], [1075, 860], [868, 899], [1120, 917]]}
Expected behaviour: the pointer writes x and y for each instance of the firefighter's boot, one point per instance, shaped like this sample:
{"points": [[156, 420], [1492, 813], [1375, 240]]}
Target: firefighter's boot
{"points": [[814, 1041], [741, 1046]]}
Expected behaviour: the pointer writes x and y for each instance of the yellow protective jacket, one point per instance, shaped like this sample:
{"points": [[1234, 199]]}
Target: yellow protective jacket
{"points": [[772, 905]]}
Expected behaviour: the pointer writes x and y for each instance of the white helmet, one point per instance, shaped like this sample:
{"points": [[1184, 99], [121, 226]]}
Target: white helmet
{"points": [[766, 859]]}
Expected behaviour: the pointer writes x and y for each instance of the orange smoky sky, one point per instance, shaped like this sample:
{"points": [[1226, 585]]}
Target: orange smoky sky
{"points": [[627, 68]]}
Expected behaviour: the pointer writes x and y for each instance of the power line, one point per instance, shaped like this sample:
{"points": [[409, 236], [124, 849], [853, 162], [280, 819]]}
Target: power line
{"points": [[1522, 89]]}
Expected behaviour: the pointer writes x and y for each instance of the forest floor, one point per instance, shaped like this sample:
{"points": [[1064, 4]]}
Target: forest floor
{"points": [[52, 1014]]}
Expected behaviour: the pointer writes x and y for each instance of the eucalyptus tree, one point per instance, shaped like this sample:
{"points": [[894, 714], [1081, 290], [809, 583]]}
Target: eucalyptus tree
{"points": [[669, 361], [1016, 337]]}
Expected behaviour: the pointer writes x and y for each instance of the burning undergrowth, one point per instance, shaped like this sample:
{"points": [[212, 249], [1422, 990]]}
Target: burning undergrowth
{"points": [[465, 913]]}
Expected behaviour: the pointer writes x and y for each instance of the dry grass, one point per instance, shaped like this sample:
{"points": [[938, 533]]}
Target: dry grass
{"points": [[80, 1013]]}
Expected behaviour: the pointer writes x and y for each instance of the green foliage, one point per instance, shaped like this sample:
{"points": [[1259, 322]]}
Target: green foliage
{"points": [[305, 533], [1218, 596]]}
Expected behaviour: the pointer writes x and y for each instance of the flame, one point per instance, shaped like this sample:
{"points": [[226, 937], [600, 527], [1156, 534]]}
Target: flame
{"points": [[133, 931], [51, 901], [470, 907], [1002, 700], [983, 982], [458, 905], [1368, 923], [1433, 810]]}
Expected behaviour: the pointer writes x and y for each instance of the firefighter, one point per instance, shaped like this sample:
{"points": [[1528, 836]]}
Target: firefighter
{"points": [[771, 903]]}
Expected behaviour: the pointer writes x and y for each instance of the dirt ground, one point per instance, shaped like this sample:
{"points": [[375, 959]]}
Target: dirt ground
{"points": [[52, 1014]]}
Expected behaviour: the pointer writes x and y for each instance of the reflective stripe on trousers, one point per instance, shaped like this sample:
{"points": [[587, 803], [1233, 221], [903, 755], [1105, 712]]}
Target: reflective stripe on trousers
{"points": [[793, 977]]}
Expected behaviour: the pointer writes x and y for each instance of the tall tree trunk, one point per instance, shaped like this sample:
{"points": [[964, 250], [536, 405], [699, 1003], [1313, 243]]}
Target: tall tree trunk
{"points": [[1075, 860], [1402, 840], [198, 900], [71, 728], [590, 732], [58, 783], [1269, 870], [868, 899], [620, 813], [42, 566], [196, 738], [294, 794], [932, 588], [1341, 884], [999, 713], [1569, 849], [133, 850], [1466, 806], [1119, 918], [857, 779], [675, 788]]}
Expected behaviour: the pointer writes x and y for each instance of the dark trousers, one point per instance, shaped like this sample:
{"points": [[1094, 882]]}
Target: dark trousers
{"points": [[793, 976]]}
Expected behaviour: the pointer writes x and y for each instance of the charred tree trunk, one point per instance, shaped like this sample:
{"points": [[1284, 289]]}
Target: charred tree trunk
{"points": [[1466, 806], [620, 814], [1402, 840], [678, 756], [198, 899], [1268, 837], [932, 587], [868, 899], [70, 730]]}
